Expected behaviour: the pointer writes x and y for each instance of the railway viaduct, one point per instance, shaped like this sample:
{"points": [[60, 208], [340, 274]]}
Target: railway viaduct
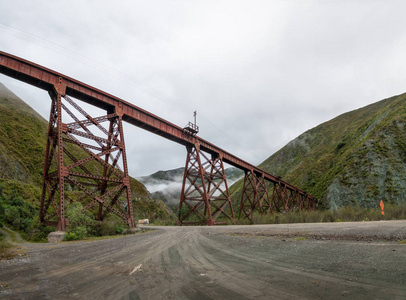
{"points": [[86, 159]]}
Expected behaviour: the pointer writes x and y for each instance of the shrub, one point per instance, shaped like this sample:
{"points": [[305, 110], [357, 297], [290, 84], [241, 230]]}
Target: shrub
{"points": [[39, 232], [4, 246], [112, 226], [70, 236], [80, 225]]}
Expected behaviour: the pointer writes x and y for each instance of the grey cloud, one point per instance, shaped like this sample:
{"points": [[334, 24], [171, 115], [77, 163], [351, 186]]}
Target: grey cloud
{"points": [[259, 73]]}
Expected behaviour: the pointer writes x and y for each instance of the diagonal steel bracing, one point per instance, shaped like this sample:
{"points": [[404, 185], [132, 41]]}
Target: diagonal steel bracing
{"points": [[205, 198], [82, 164], [254, 196], [258, 197]]}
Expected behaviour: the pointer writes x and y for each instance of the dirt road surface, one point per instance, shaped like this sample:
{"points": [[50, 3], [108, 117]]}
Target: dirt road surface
{"points": [[298, 261]]}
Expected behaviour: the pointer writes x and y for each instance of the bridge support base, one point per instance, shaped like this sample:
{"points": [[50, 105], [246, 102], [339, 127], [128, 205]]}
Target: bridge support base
{"points": [[205, 199], [56, 236], [85, 165]]}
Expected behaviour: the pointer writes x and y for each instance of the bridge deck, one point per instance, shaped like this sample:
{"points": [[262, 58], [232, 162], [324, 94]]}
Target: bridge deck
{"points": [[45, 79]]}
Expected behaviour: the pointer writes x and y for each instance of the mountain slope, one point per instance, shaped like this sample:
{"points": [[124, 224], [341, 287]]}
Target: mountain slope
{"points": [[356, 158], [22, 136]]}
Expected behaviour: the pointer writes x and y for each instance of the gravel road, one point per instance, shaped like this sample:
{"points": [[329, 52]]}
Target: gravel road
{"points": [[298, 261]]}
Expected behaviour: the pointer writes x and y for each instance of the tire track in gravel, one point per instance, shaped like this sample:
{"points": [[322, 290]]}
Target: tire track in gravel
{"points": [[335, 279], [202, 263], [332, 280], [224, 277]]}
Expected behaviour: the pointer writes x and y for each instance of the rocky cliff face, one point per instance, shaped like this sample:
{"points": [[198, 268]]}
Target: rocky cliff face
{"points": [[358, 158]]}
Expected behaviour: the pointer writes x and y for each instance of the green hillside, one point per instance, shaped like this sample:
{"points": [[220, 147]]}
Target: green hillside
{"points": [[357, 158], [22, 149]]}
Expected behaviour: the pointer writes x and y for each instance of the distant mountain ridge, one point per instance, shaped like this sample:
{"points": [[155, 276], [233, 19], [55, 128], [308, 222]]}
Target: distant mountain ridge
{"points": [[357, 158], [167, 185]]}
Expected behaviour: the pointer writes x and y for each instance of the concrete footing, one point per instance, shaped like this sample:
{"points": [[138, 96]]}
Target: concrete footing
{"points": [[56, 236]]}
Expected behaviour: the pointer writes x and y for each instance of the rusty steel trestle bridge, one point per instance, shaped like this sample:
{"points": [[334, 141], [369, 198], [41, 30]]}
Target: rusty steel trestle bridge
{"points": [[205, 198]]}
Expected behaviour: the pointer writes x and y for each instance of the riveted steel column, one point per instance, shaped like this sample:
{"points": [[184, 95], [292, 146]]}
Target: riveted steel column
{"points": [[49, 151], [53, 184], [126, 178], [61, 169]]}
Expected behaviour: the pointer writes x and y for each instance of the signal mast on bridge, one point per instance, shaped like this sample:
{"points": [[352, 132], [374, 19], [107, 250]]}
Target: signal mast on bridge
{"points": [[192, 128]]}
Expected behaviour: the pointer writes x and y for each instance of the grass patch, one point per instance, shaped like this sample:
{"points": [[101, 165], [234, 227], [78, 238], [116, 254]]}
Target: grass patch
{"points": [[107, 237], [343, 214], [12, 234], [8, 250], [402, 242], [4, 245], [300, 238]]}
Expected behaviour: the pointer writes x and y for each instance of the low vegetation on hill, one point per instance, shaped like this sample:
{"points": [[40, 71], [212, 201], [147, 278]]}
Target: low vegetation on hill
{"points": [[342, 214]]}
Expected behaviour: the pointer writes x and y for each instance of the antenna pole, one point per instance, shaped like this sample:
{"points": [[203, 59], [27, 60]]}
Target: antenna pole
{"points": [[194, 114]]}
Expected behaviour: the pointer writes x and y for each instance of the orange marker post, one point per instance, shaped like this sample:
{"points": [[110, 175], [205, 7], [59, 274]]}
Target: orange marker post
{"points": [[382, 206]]}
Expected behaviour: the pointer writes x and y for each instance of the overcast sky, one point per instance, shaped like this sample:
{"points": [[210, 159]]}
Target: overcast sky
{"points": [[258, 73]]}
